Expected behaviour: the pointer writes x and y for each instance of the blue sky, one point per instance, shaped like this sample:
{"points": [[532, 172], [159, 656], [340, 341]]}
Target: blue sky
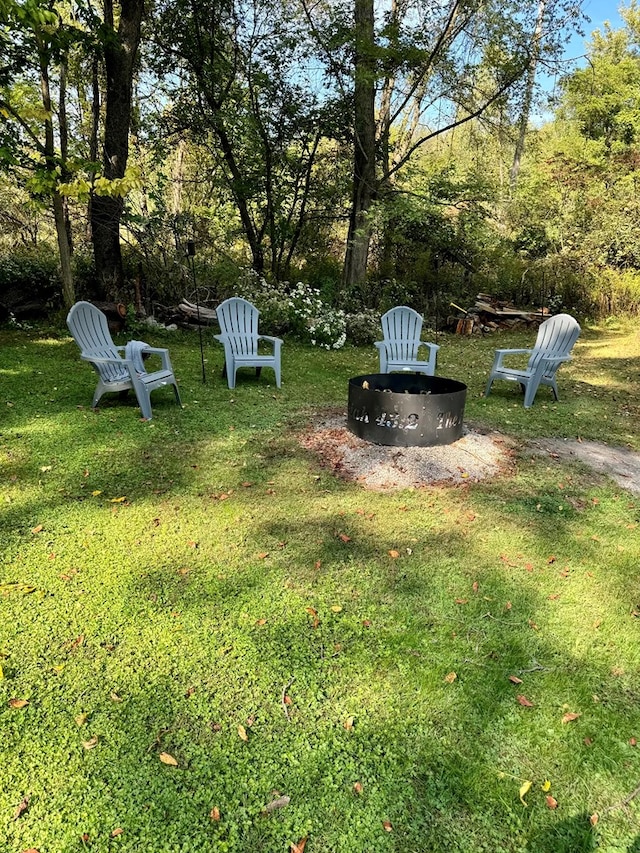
{"points": [[599, 11]]}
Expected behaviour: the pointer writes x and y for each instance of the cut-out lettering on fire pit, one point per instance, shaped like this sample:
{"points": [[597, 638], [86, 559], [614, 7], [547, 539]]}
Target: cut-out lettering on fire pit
{"points": [[406, 410]]}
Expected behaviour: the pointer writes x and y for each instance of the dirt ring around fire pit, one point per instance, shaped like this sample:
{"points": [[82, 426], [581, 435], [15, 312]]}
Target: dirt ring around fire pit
{"points": [[478, 455]]}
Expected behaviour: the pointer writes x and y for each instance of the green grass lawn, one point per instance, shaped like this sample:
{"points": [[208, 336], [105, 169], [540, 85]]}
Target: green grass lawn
{"points": [[179, 590]]}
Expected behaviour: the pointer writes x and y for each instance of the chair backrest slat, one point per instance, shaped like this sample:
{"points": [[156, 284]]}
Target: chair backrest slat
{"points": [[238, 320], [90, 330], [556, 337], [401, 328]]}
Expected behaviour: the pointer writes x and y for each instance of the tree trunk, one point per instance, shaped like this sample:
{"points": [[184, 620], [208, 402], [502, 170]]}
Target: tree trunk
{"points": [[120, 52], [528, 97], [364, 160]]}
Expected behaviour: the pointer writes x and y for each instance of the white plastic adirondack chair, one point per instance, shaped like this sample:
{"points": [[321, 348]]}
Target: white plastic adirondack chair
{"points": [[556, 337], [238, 321], [90, 330], [401, 328]]}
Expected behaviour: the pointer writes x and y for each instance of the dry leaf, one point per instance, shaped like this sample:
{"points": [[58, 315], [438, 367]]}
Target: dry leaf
{"points": [[165, 758], [366, 623], [633, 741], [263, 554], [524, 789], [551, 802], [89, 744], [450, 678], [18, 703], [348, 723], [588, 741], [22, 807], [593, 819], [357, 787], [515, 680], [386, 824], [38, 529], [116, 832], [299, 847], [394, 554], [214, 814], [524, 701], [344, 538], [261, 622], [115, 698], [118, 500], [336, 608], [569, 718], [242, 732], [507, 606], [462, 600], [81, 719], [475, 586]]}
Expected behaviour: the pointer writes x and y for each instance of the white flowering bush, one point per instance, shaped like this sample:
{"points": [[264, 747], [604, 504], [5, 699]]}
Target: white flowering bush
{"points": [[297, 309]]}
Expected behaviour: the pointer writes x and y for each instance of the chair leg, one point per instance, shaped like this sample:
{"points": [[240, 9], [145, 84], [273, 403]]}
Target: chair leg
{"points": [[530, 394], [487, 390], [258, 371], [276, 370], [177, 393], [144, 401]]}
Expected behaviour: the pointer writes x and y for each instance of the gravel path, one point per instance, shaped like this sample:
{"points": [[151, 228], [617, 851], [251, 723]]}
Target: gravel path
{"points": [[478, 455]]}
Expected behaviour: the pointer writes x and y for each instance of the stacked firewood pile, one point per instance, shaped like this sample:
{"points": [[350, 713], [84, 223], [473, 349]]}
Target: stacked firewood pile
{"points": [[490, 314], [186, 315]]}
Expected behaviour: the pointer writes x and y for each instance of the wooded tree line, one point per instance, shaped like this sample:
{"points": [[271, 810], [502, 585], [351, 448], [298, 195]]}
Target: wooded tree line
{"points": [[369, 145]]}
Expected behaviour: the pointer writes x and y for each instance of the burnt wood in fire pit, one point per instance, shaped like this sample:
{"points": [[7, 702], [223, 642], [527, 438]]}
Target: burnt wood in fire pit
{"points": [[406, 410]]}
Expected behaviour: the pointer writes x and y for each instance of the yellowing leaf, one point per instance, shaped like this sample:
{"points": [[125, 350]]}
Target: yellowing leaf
{"points": [[96, 492], [336, 608], [546, 785], [81, 719], [348, 723], [118, 500], [18, 703], [524, 789], [242, 732], [168, 759], [569, 718], [450, 678]]}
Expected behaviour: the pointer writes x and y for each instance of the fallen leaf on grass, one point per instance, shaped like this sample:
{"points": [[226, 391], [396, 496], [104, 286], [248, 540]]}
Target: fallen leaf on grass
{"points": [[551, 802], [344, 538], [387, 826], [214, 814], [475, 586], [38, 529], [394, 554], [118, 500], [546, 785], [115, 698], [261, 622], [462, 600], [263, 555], [348, 723], [18, 703], [89, 744], [116, 832], [633, 741], [81, 719], [594, 819], [524, 701], [22, 807], [524, 790], [569, 718], [336, 608], [515, 680], [242, 733], [299, 847], [357, 787], [588, 741], [165, 758], [450, 678]]}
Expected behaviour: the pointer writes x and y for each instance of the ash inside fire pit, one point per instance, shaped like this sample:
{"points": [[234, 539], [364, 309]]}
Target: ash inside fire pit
{"points": [[406, 410]]}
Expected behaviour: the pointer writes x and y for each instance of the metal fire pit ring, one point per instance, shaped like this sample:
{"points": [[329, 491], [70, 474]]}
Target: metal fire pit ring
{"points": [[406, 410]]}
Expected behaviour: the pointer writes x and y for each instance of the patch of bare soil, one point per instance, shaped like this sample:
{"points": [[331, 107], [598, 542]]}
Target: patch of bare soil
{"points": [[476, 456], [619, 463]]}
